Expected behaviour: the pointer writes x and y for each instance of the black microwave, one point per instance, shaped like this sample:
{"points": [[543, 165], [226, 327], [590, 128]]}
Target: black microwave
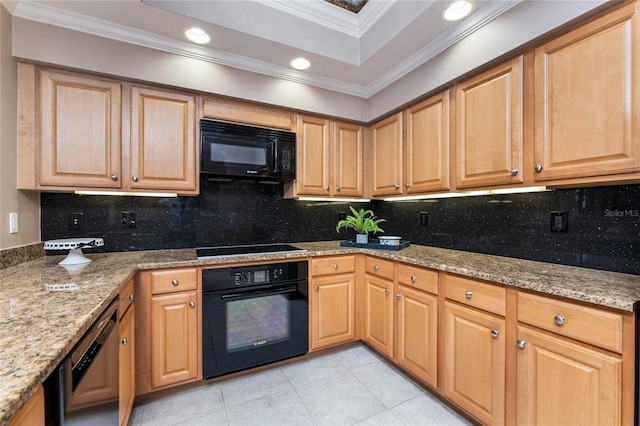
{"points": [[235, 150]]}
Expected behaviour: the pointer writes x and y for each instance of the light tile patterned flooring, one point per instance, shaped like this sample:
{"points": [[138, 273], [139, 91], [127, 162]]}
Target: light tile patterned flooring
{"points": [[347, 387]]}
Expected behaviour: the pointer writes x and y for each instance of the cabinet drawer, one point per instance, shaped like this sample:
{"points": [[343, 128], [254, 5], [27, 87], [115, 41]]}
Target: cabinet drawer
{"points": [[333, 265], [489, 297], [596, 327], [420, 278], [126, 298], [172, 280], [379, 267]]}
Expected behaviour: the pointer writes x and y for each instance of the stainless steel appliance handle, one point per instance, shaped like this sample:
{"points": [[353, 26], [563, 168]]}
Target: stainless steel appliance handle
{"points": [[258, 293]]}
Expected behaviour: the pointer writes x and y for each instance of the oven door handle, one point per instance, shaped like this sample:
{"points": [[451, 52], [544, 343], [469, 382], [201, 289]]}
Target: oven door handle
{"points": [[259, 293]]}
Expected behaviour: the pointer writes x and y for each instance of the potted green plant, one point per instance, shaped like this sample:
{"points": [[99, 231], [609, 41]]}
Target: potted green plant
{"points": [[362, 221]]}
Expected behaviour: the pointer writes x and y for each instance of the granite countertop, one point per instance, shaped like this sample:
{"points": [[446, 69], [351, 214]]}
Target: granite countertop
{"points": [[40, 322]]}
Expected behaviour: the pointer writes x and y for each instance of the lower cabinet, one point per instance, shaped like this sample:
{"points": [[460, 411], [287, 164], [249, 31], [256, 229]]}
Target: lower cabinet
{"points": [[127, 364], [167, 347], [378, 321], [474, 362], [32, 412], [563, 383]]}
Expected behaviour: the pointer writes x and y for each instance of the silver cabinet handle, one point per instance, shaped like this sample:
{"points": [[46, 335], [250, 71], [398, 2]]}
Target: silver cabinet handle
{"points": [[495, 333], [538, 168], [134, 178], [123, 342], [559, 320], [337, 189], [335, 266], [514, 172], [397, 185], [326, 188], [406, 185], [398, 295], [130, 297], [413, 278], [468, 294], [376, 267], [521, 343], [114, 177], [387, 291], [315, 287], [175, 282], [192, 304]]}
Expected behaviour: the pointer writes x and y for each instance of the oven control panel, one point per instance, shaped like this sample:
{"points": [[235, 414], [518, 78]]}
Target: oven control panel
{"points": [[244, 276]]}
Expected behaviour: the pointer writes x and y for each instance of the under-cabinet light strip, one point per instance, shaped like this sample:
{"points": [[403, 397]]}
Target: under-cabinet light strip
{"points": [[340, 200], [470, 193], [134, 194]]}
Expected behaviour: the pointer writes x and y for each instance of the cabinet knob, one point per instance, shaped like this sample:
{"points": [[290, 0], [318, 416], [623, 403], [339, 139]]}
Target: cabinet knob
{"points": [[315, 287], [326, 188], [397, 185], [134, 178], [129, 297], [514, 172], [398, 295], [521, 343], [495, 333], [337, 189], [123, 341], [559, 320], [114, 177], [468, 294], [413, 278], [192, 304], [376, 267], [538, 168], [335, 266], [406, 185], [175, 282], [387, 291]]}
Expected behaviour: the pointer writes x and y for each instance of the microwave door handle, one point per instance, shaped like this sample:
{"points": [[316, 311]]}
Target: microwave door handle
{"points": [[276, 156]]}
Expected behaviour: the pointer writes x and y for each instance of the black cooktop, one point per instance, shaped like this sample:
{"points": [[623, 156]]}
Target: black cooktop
{"points": [[244, 250]]}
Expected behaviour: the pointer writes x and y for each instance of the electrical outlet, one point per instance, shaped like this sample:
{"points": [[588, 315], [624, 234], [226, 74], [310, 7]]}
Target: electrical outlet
{"points": [[128, 220], [75, 221], [424, 218], [559, 222]]}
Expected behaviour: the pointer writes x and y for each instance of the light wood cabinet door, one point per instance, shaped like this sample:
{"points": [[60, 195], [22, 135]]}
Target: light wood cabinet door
{"points": [[562, 383], [587, 99], [312, 156], [332, 310], [427, 145], [174, 334], [489, 135], [79, 131], [386, 156], [417, 333], [32, 412], [163, 149], [127, 365], [378, 311], [347, 160], [474, 362]]}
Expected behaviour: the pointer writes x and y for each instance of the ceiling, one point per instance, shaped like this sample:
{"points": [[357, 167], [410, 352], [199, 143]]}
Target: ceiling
{"points": [[353, 53]]}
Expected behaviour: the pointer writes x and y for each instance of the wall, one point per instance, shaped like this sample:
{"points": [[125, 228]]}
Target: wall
{"points": [[604, 223], [11, 200]]}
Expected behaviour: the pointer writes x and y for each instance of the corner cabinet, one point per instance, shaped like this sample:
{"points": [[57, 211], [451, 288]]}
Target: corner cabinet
{"points": [[329, 159], [168, 345], [488, 131], [332, 301], [378, 304], [81, 132], [386, 157], [127, 356], [587, 100]]}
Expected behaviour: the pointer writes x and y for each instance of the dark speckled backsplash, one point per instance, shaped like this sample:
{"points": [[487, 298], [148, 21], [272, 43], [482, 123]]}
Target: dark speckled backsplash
{"points": [[604, 222]]}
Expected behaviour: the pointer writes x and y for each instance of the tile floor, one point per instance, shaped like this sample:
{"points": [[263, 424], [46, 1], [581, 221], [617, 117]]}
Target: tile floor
{"points": [[347, 387]]}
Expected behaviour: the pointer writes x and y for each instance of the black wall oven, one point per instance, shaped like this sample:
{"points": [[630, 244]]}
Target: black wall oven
{"points": [[253, 315]]}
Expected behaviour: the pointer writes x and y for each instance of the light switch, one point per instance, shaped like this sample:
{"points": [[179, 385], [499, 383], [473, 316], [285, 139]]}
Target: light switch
{"points": [[13, 223]]}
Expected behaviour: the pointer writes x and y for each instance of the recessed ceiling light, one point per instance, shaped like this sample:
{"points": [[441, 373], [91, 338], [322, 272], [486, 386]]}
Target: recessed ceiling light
{"points": [[458, 10], [197, 35], [300, 63]]}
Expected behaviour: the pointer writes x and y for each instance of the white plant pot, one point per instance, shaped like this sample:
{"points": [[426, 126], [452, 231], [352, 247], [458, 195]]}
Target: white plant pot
{"points": [[362, 238]]}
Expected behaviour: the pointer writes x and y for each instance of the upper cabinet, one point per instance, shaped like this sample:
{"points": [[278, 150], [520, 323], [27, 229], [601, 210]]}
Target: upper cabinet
{"points": [[489, 135], [247, 113], [587, 100], [386, 156], [329, 159], [80, 132]]}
